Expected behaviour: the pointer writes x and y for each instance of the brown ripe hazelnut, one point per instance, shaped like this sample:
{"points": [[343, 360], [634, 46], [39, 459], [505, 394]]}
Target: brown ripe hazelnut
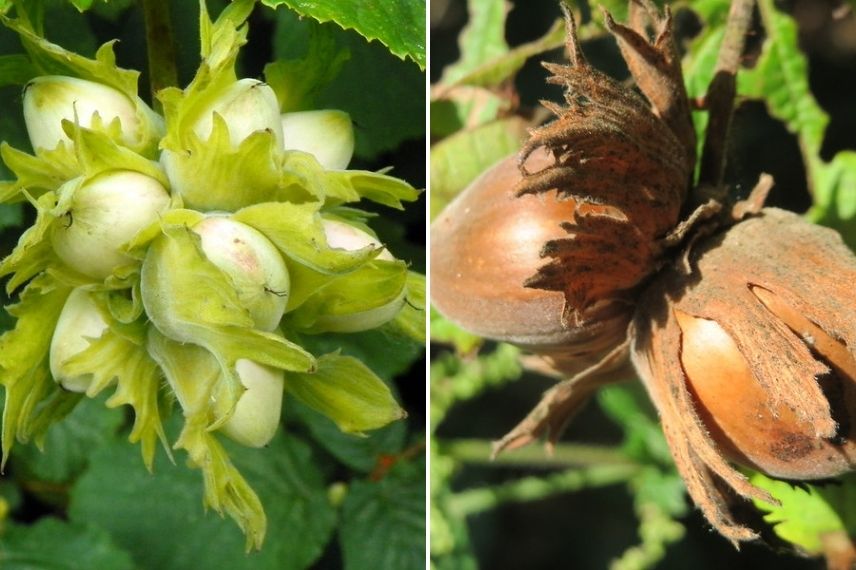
{"points": [[749, 354], [485, 245], [549, 253]]}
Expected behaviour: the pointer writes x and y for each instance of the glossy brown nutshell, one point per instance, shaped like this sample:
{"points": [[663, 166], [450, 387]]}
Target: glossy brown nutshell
{"points": [[484, 247], [749, 354], [548, 254]]}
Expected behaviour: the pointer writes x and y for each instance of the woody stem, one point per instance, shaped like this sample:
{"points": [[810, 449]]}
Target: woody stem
{"points": [[722, 90], [160, 47]]}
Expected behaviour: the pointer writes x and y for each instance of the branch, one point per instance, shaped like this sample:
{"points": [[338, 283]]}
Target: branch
{"points": [[481, 499], [564, 455], [160, 47], [722, 90]]}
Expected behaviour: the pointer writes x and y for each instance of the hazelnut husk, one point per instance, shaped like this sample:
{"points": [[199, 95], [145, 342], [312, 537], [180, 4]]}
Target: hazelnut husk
{"points": [[548, 254], [748, 351], [631, 156]]}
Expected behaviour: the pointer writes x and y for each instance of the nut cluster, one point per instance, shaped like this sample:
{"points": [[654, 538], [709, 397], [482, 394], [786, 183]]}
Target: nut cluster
{"points": [[191, 248], [737, 318]]}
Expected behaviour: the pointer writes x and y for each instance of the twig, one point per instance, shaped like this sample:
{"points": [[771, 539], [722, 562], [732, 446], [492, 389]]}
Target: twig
{"points": [[564, 455], [160, 47], [721, 92], [478, 500]]}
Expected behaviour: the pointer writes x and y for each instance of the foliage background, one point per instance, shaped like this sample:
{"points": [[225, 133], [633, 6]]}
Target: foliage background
{"points": [[609, 497], [332, 500]]}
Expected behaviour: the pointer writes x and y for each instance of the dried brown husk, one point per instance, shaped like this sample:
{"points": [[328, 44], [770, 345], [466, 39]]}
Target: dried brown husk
{"points": [[630, 154], [808, 269]]}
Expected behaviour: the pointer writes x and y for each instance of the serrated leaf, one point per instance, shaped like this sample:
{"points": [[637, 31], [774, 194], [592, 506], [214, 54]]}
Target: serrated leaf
{"points": [[807, 513], [398, 24], [297, 231], [51, 543], [383, 522], [158, 517], [115, 358], [391, 111], [459, 159], [466, 107]]}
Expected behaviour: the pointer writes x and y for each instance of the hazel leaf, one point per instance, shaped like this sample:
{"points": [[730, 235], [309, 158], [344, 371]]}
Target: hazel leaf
{"points": [[212, 174], [33, 252], [482, 39], [808, 513], [348, 392], [302, 172], [781, 79], [398, 24], [297, 81], [52, 543], [37, 174]]}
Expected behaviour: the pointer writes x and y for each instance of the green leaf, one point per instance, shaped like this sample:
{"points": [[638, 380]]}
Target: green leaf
{"points": [[459, 159], [158, 517], [16, 70], [482, 39], [363, 299], [807, 513], [504, 66], [383, 522], [192, 373], [780, 78], [466, 107], [385, 98], [297, 81], [69, 443], [51, 543], [398, 24], [348, 392]]}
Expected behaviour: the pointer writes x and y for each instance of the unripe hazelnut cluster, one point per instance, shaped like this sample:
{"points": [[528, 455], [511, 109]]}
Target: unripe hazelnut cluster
{"points": [[189, 247]]}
